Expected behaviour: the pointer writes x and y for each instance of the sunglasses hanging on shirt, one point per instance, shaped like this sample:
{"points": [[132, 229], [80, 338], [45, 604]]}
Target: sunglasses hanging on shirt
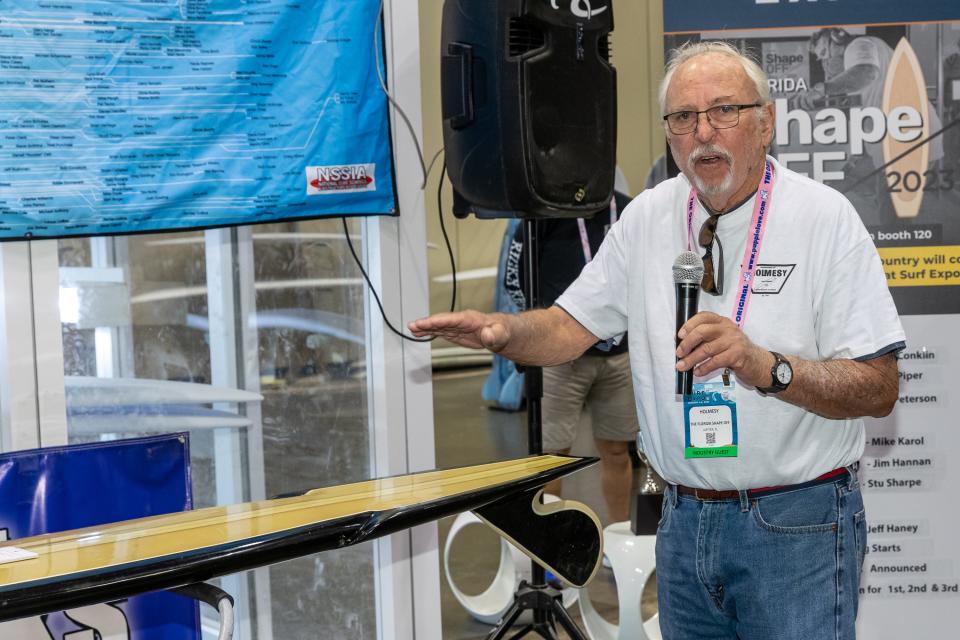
{"points": [[712, 282]]}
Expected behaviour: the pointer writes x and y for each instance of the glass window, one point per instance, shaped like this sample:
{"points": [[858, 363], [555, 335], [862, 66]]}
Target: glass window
{"points": [[252, 340]]}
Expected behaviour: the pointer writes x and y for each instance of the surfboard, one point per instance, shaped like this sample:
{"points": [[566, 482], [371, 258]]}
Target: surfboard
{"points": [[99, 564], [905, 87]]}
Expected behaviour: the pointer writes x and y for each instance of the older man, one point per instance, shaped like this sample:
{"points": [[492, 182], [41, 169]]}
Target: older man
{"points": [[763, 532]]}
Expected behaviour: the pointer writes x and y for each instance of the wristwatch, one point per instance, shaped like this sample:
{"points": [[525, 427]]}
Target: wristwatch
{"points": [[781, 373]]}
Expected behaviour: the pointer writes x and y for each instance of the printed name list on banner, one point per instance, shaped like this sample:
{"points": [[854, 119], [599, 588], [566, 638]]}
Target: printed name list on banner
{"points": [[909, 473], [129, 116], [872, 109]]}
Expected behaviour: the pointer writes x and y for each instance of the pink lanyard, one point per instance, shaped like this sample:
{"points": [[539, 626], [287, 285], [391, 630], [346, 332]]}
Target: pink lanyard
{"points": [[758, 224], [585, 239]]}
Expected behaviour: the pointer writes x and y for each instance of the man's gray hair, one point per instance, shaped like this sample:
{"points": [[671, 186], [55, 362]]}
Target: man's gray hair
{"points": [[693, 49]]}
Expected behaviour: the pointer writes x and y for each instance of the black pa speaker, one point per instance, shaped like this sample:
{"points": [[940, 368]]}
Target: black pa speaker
{"points": [[529, 106]]}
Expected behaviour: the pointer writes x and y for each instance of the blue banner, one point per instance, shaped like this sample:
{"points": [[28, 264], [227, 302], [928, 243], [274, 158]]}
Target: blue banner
{"points": [[130, 116], [697, 16], [60, 488]]}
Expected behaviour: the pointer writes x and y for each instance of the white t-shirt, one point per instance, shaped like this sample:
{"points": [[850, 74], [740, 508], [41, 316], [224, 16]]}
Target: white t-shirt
{"points": [[820, 293]]}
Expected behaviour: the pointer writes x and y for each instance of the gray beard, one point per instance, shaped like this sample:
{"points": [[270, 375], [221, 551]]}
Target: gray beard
{"points": [[713, 189], [703, 187]]}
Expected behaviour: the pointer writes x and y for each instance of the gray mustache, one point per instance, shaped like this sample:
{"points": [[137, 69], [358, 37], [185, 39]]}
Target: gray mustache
{"points": [[709, 150]]}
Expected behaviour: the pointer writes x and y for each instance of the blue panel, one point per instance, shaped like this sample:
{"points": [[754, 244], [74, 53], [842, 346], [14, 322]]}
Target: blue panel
{"points": [[712, 15], [124, 116], [60, 488]]}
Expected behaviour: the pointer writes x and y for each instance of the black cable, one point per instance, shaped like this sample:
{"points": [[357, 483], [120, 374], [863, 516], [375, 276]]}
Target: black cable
{"points": [[377, 29], [453, 265], [378, 25], [346, 233], [446, 239]]}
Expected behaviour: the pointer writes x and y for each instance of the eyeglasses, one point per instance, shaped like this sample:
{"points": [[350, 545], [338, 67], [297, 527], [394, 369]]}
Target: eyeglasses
{"points": [[708, 233], [722, 116]]}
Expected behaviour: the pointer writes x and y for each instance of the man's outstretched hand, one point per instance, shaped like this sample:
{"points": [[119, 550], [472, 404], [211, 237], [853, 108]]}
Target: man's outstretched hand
{"points": [[471, 329], [541, 337]]}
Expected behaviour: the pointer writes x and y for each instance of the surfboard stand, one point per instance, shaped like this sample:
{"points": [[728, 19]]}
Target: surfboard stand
{"points": [[541, 599]]}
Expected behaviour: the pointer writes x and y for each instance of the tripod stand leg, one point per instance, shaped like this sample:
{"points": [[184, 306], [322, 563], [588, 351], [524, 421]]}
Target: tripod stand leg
{"points": [[500, 630], [547, 632], [561, 616], [519, 634]]}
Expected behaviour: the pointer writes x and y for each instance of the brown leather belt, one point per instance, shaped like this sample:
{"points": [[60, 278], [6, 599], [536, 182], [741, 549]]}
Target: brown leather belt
{"points": [[732, 494]]}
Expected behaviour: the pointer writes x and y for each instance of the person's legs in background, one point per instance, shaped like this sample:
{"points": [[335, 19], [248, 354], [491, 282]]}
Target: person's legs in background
{"points": [[615, 425], [565, 389], [604, 386], [616, 477]]}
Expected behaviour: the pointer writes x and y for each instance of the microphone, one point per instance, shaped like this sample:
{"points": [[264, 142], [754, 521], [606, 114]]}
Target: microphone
{"points": [[687, 275]]}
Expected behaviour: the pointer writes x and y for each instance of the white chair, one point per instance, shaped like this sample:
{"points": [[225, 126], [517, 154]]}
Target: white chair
{"points": [[489, 606], [633, 561], [216, 598]]}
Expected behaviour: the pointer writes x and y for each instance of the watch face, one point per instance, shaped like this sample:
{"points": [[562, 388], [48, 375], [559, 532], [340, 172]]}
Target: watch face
{"points": [[784, 373]]}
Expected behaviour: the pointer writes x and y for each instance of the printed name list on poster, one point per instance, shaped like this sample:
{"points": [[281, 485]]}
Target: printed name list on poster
{"points": [[906, 471], [134, 116]]}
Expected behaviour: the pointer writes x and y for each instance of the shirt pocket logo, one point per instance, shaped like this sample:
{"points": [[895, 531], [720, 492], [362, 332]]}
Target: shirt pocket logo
{"points": [[771, 278]]}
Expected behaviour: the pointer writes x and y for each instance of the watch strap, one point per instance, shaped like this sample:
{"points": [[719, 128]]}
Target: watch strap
{"points": [[776, 386]]}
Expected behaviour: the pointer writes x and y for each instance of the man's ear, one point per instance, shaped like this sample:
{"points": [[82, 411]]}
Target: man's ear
{"points": [[769, 124]]}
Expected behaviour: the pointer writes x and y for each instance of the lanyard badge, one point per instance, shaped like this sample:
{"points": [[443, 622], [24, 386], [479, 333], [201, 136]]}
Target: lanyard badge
{"points": [[710, 420]]}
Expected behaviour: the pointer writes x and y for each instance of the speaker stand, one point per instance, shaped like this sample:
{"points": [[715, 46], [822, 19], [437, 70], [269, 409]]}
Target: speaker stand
{"points": [[542, 599]]}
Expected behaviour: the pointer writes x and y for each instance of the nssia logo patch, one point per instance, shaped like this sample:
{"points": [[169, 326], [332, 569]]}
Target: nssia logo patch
{"points": [[345, 178], [770, 278]]}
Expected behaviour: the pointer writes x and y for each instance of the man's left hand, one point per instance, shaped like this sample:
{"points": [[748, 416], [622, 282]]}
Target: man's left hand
{"points": [[710, 342]]}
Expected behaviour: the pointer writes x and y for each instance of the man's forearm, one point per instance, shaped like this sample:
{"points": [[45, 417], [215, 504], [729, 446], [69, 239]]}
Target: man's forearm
{"points": [[844, 388], [544, 337]]}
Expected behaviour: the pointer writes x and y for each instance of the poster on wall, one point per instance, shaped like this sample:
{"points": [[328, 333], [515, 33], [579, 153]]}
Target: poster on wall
{"points": [[867, 100], [130, 116]]}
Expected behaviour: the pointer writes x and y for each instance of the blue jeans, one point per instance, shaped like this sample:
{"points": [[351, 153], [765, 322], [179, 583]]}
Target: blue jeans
{"points": [[783, 565]]}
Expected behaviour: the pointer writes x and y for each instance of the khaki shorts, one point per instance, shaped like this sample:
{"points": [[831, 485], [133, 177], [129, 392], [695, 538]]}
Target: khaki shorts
{"points": [[599, 385]]}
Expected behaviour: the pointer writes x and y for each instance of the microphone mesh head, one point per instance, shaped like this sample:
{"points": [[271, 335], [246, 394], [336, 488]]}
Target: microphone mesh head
{"points": [[688, 269]]}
